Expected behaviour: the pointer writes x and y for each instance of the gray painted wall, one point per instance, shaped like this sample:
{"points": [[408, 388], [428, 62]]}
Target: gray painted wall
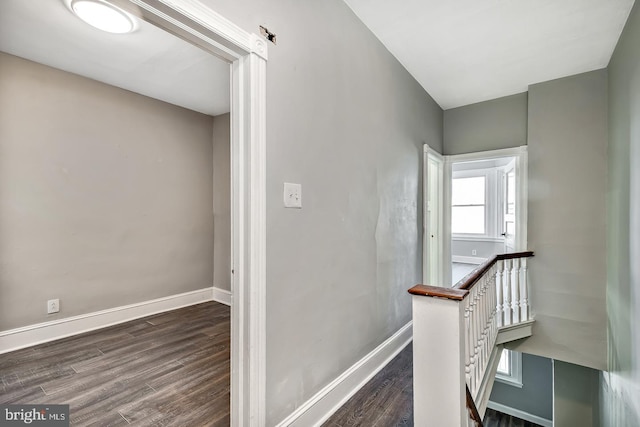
{"points": [[567, 142], [565, 127], [575, 396], [348, 122], [483, 249], [105, 198], [489, 125], [621, 388], [536, 395], [222, 202]]}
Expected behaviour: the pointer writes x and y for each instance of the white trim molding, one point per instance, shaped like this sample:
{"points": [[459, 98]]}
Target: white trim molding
{"points": [[520, 414], [39, 333], [222, 296], [247, 53], [467, 259], [477, 239], [328, 400], [515, 332]]}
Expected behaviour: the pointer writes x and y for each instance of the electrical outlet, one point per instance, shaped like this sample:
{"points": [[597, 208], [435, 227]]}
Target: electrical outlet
{"points": [[53, 306], [474, 252]]}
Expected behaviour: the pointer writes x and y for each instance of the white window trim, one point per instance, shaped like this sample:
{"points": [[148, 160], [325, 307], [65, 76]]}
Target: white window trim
{"points": [[474, 238], [515, 379]]}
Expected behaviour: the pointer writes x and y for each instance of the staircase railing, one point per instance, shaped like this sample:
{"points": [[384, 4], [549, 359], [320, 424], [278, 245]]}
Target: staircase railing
{"points": [[475, 420], [455, 332]]}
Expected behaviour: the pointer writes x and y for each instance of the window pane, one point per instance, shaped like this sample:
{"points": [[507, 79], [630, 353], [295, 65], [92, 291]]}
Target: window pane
{"points": [[467, 219], [504, 365], [468, 191]]}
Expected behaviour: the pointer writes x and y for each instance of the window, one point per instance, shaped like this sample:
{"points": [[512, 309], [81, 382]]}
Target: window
{"points": [[510, 368], [468, 196]]}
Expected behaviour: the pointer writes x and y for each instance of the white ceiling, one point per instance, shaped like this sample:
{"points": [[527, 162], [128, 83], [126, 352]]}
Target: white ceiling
{"points": [[149, 61], [467, 51]]}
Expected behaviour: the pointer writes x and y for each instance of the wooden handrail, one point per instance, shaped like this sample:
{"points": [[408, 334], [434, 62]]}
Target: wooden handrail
{"points": [[473, 410], [466, 320], [438, 291], [460, 289], [469, 280]]}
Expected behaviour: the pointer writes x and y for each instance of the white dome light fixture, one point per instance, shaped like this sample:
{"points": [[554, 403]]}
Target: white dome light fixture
{"points": [[103, 16]]}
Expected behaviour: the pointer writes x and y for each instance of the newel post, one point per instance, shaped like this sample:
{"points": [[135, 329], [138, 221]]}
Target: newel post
{"points": [[438, 357]]}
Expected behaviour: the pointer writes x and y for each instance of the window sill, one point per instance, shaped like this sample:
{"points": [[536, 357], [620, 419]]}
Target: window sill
{"points": [[509, 381], [472, 238]]}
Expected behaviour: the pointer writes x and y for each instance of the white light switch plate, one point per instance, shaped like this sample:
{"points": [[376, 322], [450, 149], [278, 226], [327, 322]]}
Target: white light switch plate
{"points": [[292, 195]]}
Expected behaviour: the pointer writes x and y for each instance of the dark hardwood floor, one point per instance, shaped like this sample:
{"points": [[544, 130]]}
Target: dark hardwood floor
{"points": [[171, 369], [498, 419], [387, 400]]}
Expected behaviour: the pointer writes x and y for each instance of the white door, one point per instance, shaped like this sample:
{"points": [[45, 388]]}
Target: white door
{"points": [[509, 207], [433, 237]]}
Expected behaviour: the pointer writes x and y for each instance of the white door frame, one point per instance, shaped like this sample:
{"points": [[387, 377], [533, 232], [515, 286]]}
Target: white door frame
{"points": [[247, 54], [521, 156], [430, 259]]}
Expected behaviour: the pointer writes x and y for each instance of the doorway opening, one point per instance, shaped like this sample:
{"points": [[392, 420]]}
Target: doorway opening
{"points": [[244, 56], [484, 209], [482, 212]]}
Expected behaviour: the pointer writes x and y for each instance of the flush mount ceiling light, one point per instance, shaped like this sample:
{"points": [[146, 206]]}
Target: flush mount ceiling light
{"points": [[104, 16]]}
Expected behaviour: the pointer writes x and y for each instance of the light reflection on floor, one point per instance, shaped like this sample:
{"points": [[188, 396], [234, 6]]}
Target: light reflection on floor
{"points": [[459, 270]]}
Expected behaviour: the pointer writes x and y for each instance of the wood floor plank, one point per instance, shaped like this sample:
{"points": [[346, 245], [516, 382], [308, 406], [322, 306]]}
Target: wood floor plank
{"points": [[387, 400], [21, 395], [89, 408], [162, 404], [169, 369], [111, 420], [173, 369]]}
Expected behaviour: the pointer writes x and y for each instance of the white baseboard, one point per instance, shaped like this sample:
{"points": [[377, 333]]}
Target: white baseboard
{"points": [[222, 296], [520, 414], [27, 336], [467, 259], [328, 400]]}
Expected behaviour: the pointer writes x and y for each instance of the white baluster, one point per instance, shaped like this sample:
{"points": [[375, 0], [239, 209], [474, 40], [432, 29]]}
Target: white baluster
{"points": [[506, 277], [485, 337], [497, 314], [482, 342], [499, 300], [493, 299], [476, 339], [467, 341], [488, 303], [472, 342], [479, 327], [524, 290], [515, 294]]}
